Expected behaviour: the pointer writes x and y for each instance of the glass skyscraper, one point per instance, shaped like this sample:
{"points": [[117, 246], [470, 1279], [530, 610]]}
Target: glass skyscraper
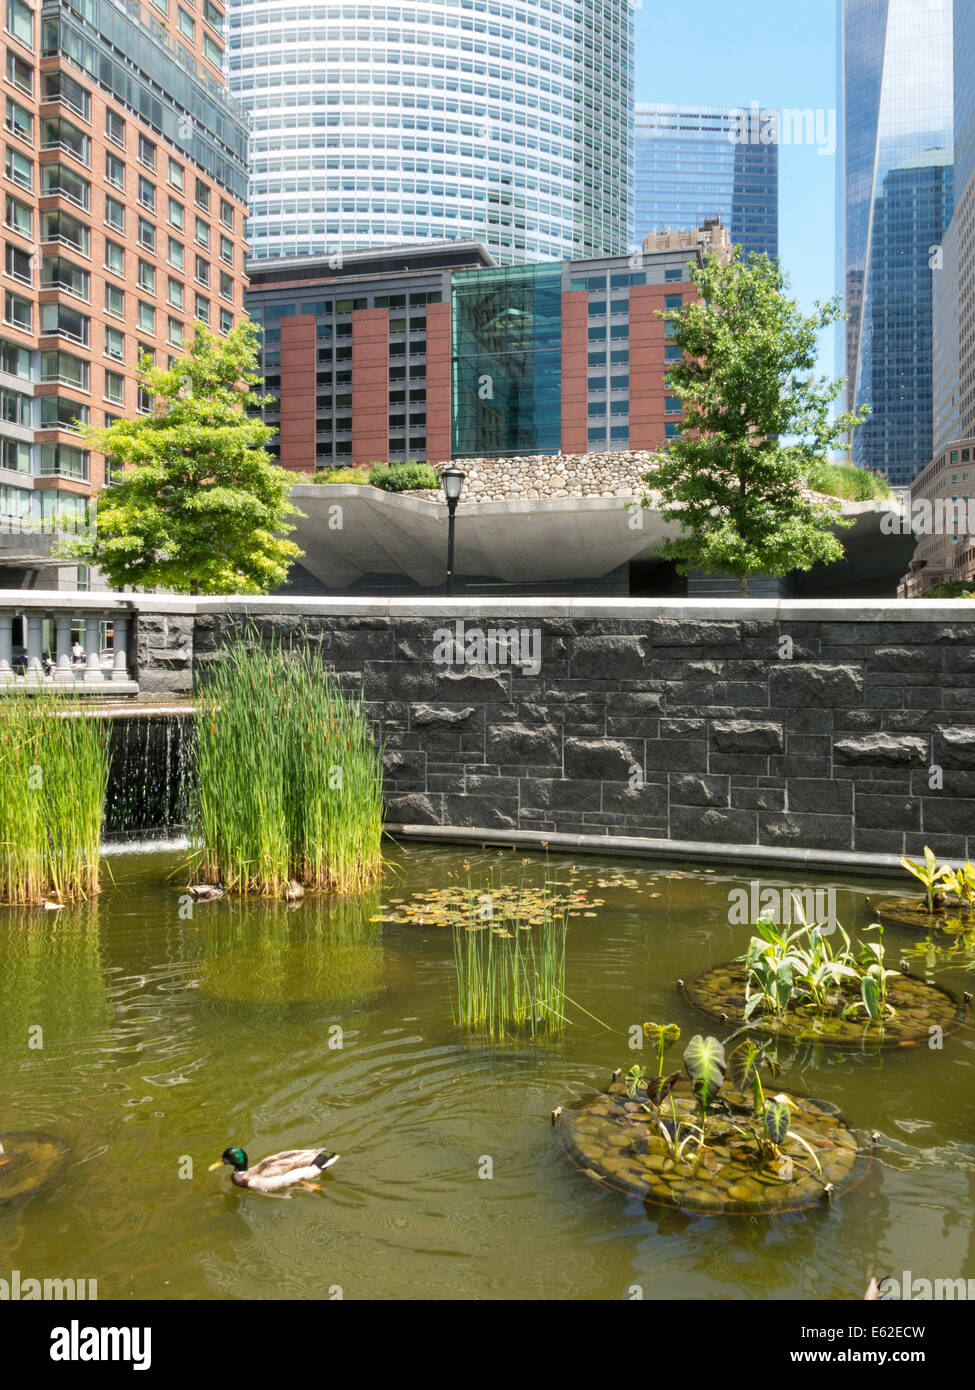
{"points": [[688, 166], [895, 202], [375, 124]]}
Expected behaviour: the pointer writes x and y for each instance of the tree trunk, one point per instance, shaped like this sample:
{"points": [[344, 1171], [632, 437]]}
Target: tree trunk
{"points": [[743, 583]]}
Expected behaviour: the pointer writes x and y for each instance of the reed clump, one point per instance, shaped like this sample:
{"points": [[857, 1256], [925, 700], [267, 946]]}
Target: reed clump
{"points": [[53, 781], [287, 782], [510, 967]]}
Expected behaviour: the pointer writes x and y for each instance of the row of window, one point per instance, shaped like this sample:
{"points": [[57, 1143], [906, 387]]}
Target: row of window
{"points": [[68, 322]]}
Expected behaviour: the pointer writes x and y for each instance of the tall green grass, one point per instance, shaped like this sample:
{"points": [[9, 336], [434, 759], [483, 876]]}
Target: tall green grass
{"points": [[510, 977], [287, 780], [53, 779]]}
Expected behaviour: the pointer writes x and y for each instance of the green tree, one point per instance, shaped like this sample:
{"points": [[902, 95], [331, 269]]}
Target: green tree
{"points": [[201, 506], [757, 423]]}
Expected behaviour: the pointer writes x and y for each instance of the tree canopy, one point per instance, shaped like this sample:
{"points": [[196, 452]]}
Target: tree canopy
{"points": [[757, 423], [201, 506]]}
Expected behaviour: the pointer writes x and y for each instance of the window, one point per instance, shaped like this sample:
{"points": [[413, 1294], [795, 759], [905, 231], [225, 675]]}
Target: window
{"points": [[174, 294], [58, 86], [20, 73], [115, 388], [59, 133], [176, 174], [185, 24], [672, 353], [65, 461], [61, 274], [115, 128], [175, 254], [15, 455], [114, 344], [114, 214], [175, 214], [66, 182], [17, 310], [66, 368], [674, 273], [147, 193], [14, 360], [202, 233], [17, 263], [147, 276], [227, 254], [227, 213], [202, 270], [60, 226], [68, 322], [147, 152], [213, 16], [19, 120], [673, 301], [114, 170], [114, 301], [670, 330], [619, 330], [212, 51], [175, 332], [14, 407], [144, 403], [672, 431], [202, 309], [19, 169], [147, 234], [226, 320], [673, 405], [146, 317], [114, 257], [20, 22], [19, 217], [619, 383], [226, 285], [58, 413], [14, 501]]}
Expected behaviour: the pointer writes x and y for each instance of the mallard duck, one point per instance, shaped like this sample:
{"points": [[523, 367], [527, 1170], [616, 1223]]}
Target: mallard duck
{"points": [[204, 892], [279, 1170]]}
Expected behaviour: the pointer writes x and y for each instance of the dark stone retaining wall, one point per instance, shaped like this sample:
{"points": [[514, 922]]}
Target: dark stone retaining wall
{"points": [[655, 721]]}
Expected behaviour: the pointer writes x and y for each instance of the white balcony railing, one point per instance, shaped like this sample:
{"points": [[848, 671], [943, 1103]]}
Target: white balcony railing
{"points": [[29, 665]]}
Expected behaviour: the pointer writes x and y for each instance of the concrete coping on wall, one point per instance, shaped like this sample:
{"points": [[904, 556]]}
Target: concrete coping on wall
{"points": [[836, 862], [607, 609]]}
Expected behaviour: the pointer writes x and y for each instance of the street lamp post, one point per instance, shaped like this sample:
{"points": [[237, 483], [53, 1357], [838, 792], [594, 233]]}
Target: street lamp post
{"points": [[452, 482]]}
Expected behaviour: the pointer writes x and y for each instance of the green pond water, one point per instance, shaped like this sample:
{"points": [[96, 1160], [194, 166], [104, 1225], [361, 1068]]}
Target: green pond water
{"points": [[168, 1037]]}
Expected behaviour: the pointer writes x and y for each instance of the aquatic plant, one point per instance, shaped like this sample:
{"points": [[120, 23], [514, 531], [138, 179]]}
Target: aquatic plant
{"points": [[930, 873], [961, 882], [873, 982], [53, 779], [785, 967], [287, 779]]}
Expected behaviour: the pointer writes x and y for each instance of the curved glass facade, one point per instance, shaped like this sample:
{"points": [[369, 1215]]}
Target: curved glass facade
{"points": [[687, 168], [376, 124], [896, 202]]}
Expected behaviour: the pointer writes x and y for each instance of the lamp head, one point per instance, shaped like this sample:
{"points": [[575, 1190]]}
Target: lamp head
{"points": [[452, 482]]}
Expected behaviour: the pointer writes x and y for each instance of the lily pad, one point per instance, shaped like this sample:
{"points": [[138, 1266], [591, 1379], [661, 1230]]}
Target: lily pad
{"points": [[30, 1160]]}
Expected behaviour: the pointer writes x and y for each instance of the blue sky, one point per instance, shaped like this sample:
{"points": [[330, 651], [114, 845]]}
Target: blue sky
{"points": [[781, 55]]}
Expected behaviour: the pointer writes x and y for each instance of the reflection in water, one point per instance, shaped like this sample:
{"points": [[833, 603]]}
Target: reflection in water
{"points": [[51, 977]]}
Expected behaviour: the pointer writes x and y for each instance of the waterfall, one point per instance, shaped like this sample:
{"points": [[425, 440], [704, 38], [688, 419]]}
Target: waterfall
{"points": [[147, 790]]}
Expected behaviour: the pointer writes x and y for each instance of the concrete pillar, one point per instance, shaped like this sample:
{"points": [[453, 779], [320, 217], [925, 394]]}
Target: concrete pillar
{"points": [[63, 674], [119, 647], [34, 644], [94, 674], [6, 649]]}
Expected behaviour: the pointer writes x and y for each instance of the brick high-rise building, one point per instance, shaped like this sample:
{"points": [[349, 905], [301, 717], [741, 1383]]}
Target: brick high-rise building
{"points": [[124, 186], [433, 352]]}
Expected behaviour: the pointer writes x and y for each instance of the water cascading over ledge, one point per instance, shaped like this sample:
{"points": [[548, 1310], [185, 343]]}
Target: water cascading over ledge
{"points": [[148, 792]]}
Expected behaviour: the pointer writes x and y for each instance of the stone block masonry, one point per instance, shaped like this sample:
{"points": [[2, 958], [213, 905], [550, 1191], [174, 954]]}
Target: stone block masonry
{"points": [[832, 728]]}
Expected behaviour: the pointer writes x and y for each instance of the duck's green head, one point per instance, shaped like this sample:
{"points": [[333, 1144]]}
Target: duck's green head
{"points": [[235, 1157]]}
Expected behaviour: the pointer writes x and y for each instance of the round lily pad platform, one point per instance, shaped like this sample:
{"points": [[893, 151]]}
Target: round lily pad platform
{"points": [[29, 1162], [913, 913], [919, 1005], [617, 1142]]}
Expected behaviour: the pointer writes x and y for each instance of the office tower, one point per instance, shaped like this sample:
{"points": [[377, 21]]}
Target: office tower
{"points": [[435, 352], [895, 200], [690, 165], [375, 125], [124, 207]]}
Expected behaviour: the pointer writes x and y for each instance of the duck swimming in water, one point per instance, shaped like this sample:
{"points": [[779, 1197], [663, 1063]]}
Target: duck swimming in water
{"points": [[286, 1169]]}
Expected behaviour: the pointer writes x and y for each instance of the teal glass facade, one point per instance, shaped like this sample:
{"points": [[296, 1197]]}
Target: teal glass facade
{"points": [[895, 202], [506, 387], [442, 120], [687, 167]]}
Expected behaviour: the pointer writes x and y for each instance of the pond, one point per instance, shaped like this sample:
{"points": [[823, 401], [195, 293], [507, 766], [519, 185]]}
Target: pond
{"points": [[169, 1032]]}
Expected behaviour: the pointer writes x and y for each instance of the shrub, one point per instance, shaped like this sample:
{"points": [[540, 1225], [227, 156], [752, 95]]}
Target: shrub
{"points": [[951, 589], [340, 475], [403, 477]]}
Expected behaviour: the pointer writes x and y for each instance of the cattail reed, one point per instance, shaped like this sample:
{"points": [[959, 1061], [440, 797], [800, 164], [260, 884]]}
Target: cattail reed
{"points": [[274, 801], [53, 780]]}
